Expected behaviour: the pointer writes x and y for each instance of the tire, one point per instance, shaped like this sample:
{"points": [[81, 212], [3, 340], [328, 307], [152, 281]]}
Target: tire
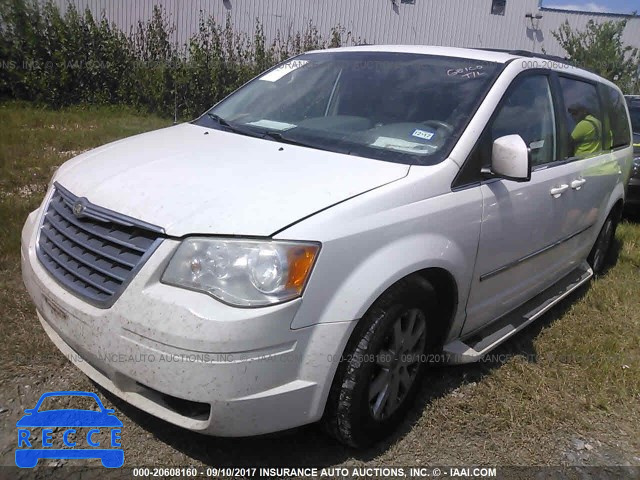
{"points": [[376, 382], [599, 256]]}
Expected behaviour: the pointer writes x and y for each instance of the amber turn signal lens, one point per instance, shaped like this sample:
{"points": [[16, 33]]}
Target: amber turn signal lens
{"points": [[300, 262]]}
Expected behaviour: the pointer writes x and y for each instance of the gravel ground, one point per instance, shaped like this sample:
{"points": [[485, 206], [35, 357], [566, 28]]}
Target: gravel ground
{"points": [[148, 441]]}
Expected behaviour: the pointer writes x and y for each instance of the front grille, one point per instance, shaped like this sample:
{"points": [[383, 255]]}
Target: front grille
{"points": [[95, 252]]}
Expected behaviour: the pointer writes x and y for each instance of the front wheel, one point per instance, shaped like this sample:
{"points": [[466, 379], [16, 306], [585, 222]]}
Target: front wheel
{"points": [[602, 248], [379, 373]]}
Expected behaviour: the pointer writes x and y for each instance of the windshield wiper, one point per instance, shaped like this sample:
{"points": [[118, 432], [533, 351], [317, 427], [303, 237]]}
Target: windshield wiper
{"points": [[232, 127], [218, 118], [266, 134], [278, 137]]}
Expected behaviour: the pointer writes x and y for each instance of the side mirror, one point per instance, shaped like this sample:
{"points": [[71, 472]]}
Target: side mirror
{"points": [[510, 159]]}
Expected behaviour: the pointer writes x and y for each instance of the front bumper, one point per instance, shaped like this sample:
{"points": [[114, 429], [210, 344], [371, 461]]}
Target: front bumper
{"points": [[187, 358]]}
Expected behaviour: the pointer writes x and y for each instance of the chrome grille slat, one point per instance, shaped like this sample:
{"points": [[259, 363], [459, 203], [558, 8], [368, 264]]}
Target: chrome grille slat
{"points": [[56, 258], [103, 235], [70, 200], [95, 253], [88, 246], [84, 238], [70, 282], [78, 258]]}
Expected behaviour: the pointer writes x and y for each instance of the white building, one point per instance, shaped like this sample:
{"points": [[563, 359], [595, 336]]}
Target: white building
{"points": [[508, 24]]}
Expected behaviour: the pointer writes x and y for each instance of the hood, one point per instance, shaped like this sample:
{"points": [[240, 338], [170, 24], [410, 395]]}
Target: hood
{"points": [[189, 179]]}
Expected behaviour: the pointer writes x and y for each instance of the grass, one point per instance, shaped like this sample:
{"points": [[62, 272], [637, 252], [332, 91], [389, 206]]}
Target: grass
{"points": [[33, 143], [574, 373]]}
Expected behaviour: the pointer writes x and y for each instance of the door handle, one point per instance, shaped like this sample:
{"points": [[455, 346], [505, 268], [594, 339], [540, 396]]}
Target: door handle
{"points": [[578, 183], [557, 191]]}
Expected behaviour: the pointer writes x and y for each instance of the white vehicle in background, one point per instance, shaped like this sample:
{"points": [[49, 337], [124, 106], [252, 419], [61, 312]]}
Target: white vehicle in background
{"points": [[302, 251]]}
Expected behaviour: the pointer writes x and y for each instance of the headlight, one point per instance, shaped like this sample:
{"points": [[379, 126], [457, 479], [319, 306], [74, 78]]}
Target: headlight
{"points": [[636, 166], [246, 273]]}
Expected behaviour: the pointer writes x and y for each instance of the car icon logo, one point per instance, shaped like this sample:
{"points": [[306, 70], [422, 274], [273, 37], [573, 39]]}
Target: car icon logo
{"points": [[69, 424], [78, 208]]}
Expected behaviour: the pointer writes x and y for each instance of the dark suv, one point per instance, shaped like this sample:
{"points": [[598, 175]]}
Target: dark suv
{"points": [[633, 194]]}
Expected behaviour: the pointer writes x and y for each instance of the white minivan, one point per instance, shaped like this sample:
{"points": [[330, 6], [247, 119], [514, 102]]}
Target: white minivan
{"points": [[305, 248]]}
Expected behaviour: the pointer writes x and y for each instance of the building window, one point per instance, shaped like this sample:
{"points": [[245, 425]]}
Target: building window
{"points": [[498, 7]]}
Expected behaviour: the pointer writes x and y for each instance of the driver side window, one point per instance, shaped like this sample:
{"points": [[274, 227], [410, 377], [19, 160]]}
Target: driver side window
{"points": [[527, 110]]}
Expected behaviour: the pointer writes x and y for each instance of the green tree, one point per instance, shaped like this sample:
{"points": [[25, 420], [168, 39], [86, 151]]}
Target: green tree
{"points": [[599, 48]]}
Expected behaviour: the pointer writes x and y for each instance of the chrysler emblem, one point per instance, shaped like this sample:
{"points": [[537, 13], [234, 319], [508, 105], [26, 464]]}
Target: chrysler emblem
{"points": [[78, 209]]}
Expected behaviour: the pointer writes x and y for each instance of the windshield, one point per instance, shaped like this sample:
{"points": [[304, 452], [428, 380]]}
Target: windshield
{"points": [[400, 107]]}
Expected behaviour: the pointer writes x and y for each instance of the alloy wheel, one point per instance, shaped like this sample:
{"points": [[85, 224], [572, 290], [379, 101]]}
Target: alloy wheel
{"points": [[397, 363]]}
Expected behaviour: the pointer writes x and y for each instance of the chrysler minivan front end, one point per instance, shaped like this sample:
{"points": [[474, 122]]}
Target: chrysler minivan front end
{"points": [[304, 249], [176, 352], [195, 328], [161, 266]]}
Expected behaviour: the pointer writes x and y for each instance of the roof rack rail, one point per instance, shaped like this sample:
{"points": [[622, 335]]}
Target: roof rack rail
{"points": [[527, 53]]}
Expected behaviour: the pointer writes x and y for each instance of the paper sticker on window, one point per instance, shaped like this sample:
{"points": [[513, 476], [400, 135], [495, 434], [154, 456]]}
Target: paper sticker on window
{"points": [[536, 145], [425, 134], [272, 124], [403, 145], [282, 70]]}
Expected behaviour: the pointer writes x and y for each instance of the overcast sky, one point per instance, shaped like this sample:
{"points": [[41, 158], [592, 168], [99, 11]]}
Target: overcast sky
{"points": [[609, 6]]}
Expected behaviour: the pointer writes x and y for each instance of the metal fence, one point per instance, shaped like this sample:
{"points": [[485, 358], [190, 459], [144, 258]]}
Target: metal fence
{"points": [[460, 23]]}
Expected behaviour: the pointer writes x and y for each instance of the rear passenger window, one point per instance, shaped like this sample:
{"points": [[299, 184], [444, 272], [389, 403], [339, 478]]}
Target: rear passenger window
{"points": [[583, 117], [527, 110], [616, 122]]}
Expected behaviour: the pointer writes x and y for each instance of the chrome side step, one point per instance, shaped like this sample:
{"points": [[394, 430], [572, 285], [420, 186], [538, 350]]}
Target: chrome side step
{"points": [[475, 347]]}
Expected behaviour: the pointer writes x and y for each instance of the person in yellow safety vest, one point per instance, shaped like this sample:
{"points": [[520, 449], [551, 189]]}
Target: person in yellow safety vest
{"points": [[587, 134]]}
